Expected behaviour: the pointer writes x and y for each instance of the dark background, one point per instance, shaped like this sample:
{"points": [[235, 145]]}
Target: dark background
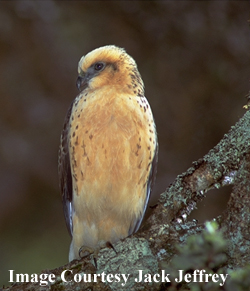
{"points": [[194, 60]]}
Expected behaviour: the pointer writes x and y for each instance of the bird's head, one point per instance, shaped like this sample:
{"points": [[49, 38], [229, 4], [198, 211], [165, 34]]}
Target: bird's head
{"points": [[109, 66]]}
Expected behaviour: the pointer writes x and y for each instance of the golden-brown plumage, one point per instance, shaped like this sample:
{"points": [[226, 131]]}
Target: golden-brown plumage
{"points": [[108, 151]]}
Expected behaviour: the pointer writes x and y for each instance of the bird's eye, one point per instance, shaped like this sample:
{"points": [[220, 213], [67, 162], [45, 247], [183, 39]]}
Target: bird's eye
{"points": [[99, 66]]}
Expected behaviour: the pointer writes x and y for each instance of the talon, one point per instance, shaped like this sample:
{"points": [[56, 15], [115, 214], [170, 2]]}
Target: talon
{"points": [[95, 261], [109, 245], [95, 255]]}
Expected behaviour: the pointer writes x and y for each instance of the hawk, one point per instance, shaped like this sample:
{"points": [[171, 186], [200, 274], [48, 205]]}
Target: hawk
{"points": [[108, 152]]}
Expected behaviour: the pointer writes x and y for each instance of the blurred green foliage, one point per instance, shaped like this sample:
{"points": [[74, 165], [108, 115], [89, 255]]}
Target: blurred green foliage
{"points": [[206, 251]]}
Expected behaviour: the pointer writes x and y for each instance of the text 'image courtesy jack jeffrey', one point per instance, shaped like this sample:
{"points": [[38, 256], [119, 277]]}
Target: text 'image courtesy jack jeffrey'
{"points": [[44, 279]]}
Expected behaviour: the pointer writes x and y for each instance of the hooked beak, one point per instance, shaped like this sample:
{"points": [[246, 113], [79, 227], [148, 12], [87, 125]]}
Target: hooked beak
{"points": [[82, 82]]}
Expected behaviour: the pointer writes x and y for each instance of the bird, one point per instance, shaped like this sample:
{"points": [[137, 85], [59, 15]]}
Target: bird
{"points": [[108, 152]]}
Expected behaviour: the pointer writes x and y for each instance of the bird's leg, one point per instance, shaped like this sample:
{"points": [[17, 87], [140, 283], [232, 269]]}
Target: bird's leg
{"points": [[85, 251]]}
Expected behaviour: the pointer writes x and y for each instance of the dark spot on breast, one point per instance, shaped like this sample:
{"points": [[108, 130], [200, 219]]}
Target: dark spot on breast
{"points": [[76, 127], [88, 162], [91, 136], [75, 176], [84, 100], [86, 95], [76, 142], [138, 147], [73, 135], [84, 150], [86, 131], [74, 163]]}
